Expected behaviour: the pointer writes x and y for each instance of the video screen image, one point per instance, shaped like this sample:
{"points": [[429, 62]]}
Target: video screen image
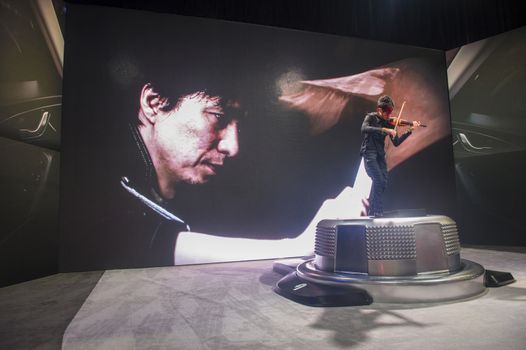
{"points": [[188, 140]]}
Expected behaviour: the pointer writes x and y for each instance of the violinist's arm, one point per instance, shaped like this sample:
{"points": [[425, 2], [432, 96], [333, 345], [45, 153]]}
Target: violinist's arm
{"points": [[397, 140], [367, 128]]}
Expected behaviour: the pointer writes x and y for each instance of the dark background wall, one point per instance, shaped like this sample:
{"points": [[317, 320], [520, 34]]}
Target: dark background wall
{"points": [[437, 24], [432, 24], [486, 80], [30, 115]]}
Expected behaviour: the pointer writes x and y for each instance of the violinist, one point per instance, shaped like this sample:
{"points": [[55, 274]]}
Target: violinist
{"points": [[375, 127]]}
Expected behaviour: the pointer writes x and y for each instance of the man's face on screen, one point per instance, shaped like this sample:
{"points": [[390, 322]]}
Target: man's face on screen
{"points": [[194, 139]]}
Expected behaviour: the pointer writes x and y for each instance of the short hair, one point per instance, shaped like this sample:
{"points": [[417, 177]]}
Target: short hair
{"points": [[386, 102]]}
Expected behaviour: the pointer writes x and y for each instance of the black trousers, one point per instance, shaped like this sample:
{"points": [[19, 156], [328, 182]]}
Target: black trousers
{"points": [[376, 168]]}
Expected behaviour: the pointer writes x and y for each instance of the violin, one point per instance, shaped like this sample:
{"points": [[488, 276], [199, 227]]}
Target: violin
{"points": [[392, 121]]}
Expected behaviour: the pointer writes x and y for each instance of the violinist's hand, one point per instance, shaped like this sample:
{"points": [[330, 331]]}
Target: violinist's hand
{"points": [[414, 125], [390, 132]]}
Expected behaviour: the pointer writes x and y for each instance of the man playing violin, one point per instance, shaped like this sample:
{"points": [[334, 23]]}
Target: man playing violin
{"points": [[375, 127]]}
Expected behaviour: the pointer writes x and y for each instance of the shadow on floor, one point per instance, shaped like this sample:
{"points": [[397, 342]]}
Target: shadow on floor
{"points": [[35, 314], [351, 325]]}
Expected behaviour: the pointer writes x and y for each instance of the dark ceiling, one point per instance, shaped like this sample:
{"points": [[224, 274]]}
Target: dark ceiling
{"points": [[438, 24]]}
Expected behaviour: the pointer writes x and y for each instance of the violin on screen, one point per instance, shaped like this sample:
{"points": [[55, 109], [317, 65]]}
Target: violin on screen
{"points": [[392, 121]]}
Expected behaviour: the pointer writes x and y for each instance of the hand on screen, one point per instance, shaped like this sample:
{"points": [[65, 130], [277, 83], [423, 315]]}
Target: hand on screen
{"points": [[196, 248], [350, 203]]}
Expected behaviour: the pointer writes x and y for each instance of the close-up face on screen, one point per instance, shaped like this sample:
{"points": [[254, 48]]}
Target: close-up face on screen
{"points": [[189, 140]]}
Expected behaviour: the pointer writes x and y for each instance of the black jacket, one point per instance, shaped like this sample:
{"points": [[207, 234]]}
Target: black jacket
{"points": [[123, 222], [374, 136], [139, 229]]}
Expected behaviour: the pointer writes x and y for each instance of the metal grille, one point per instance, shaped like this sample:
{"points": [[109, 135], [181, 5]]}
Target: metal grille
{"points": [[451, 240], [391, 242], [325, 241]]}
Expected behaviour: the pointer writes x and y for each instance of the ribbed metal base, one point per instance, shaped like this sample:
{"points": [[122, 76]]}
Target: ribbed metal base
{"points": [[422, 288]]}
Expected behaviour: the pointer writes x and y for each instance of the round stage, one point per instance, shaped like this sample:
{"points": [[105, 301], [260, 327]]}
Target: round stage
{"points": [[388, 260]]}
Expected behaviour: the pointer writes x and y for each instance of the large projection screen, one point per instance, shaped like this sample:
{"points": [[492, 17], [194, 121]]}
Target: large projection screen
{"points": [[188, 140]]}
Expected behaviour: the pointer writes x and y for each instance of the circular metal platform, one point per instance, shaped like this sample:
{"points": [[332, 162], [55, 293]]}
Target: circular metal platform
{"points": [[464, 283]]}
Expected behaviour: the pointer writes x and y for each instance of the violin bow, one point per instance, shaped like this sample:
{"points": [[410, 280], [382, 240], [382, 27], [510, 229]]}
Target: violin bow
{"points": [[399, 116]]}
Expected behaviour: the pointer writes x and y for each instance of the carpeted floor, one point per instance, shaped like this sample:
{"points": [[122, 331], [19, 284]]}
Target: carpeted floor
{"points": [[35, 314], [232, 306]]}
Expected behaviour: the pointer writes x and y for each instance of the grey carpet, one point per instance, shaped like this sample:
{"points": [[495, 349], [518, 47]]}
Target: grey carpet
{"points": [[35, 314], [232, 306]]}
